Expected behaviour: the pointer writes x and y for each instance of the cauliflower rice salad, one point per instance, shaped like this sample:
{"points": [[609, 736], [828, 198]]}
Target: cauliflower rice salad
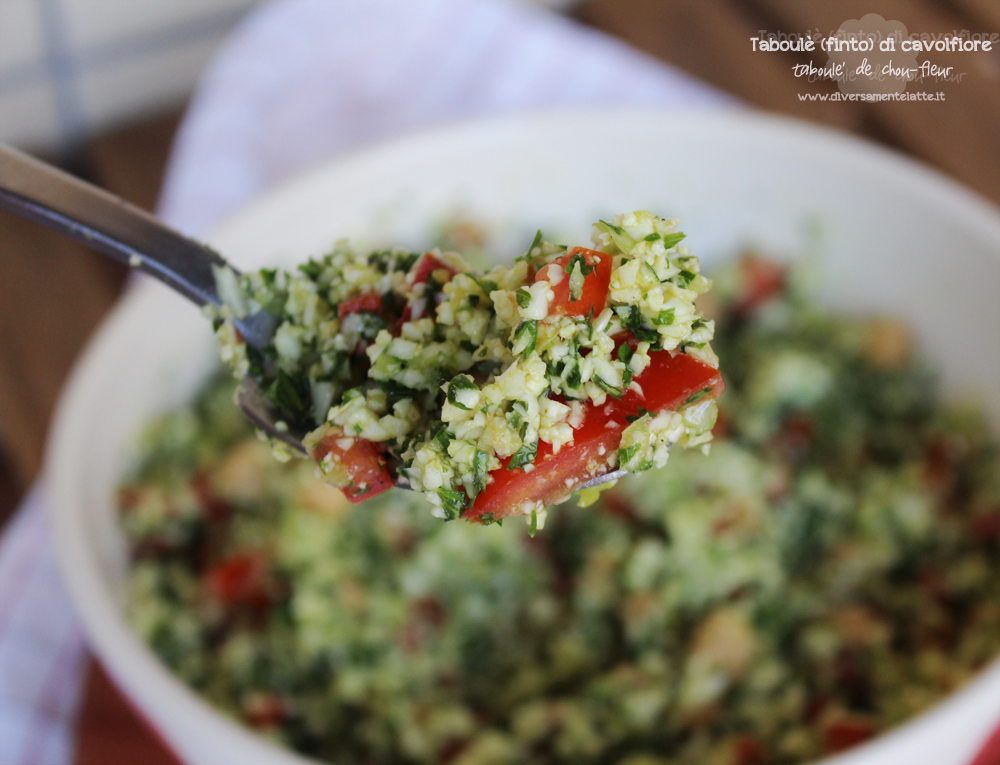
{"points": [[495, 393], [831, 569]]}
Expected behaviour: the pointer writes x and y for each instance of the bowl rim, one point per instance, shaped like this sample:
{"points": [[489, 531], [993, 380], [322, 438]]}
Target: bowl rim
{"points": [[138, 671]]}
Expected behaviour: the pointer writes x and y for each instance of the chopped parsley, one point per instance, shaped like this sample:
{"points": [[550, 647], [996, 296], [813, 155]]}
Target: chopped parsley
{"points": [[454, 503], [672, 240], [684, 278], [480, 471], [460, 382], [696, 397], [629, 315], [664, 318], [526, 337], [524, 456], [578, 261]]}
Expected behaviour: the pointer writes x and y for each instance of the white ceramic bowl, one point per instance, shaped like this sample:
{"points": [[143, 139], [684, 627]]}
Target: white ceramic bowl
{"points": [[894, 237]]}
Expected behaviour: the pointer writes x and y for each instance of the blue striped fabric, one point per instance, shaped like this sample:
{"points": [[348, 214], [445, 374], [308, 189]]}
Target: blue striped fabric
{"points": [[57, 68]]}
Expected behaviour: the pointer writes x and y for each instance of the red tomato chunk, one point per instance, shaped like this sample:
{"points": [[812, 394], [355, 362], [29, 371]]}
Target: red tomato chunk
{"points": [[667, 383], [359, 470], [428, 265], [371, 303], [594, 294], [241, 581]]}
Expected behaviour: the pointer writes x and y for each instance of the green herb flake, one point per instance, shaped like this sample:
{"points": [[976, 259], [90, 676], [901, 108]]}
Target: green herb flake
{"points": [[646, 334], [625, 354], [312, 269], [454, 503], [578, 269], [629, 316], [486, 285], [289, 394], [672, 240], [395, 392], [523, 456], [574, 378], [480, 471], [685, 277], [579, 261], [441, 437], [622, 240], [626, 454], [535, 244], [533, 528], [611, 390], [696, 397], [664, 318], [523, 298], [526, 337], [460, 382]]}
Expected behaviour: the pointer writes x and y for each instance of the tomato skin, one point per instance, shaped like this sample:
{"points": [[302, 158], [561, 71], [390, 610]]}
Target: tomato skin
{"points": [[666, 384], [241, 581], [370, 303], [669, 381], [553, 476], [596, 284], [264, 710], [762, 280], [846, 733], [429, 264], [749, 751], [360, 465], [416, 309]]}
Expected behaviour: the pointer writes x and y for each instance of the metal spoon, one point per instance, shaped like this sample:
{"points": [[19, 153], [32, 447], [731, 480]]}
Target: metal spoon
{"points": [[112, 226]]}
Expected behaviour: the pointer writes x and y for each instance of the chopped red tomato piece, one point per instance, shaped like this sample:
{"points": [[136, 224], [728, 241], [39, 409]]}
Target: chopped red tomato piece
{"points": [[264, 710], [428, 265], [848, 731], [359, 468], [667, 384], [762, 280], [986, 526], [553, 476], [241, 581], [216, 508], [749, 751], [370, 303], [596, 283]]}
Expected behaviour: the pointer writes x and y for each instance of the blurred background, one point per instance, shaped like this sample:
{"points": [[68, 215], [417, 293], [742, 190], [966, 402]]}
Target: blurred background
{"points": [[100, 86]]}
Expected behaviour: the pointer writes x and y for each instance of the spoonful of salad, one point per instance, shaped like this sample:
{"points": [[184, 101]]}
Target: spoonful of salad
{"points": [[494, 394]]}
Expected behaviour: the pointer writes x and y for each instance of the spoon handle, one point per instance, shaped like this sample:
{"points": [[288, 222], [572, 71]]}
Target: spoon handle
{"points": [[36, 190], [101, 220]]}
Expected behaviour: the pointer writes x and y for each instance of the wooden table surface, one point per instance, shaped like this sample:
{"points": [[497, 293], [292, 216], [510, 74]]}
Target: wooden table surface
{"points": [[53, 292]]}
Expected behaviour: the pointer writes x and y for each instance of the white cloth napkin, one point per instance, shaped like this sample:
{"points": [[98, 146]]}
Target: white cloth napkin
{"points": [[298, 82]]}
